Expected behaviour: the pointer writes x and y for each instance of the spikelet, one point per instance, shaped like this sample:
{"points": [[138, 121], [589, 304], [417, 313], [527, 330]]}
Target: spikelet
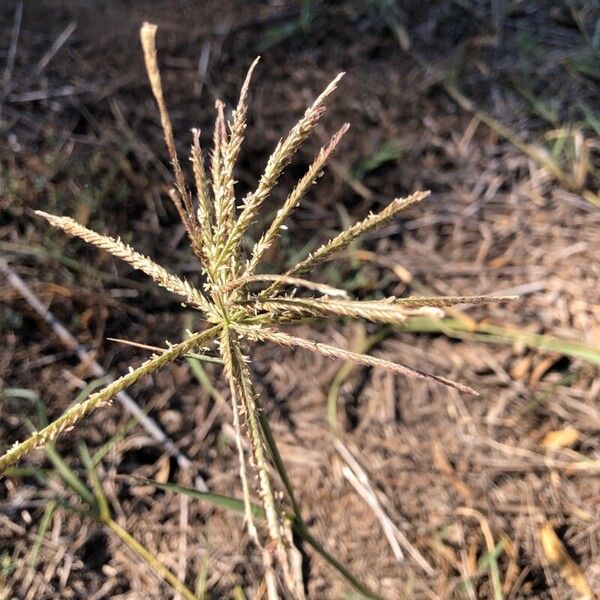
{"points": [[283, 339], [78, 411], [341, 241], [181, 197], [282, 155], [117, 248], [379, 311], [293, 200], [205, 212], [231, 152], [296, 282], [217, 175]]}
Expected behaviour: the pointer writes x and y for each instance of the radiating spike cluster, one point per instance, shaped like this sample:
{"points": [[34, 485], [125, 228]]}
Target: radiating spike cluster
{"points": [[236, 312]]}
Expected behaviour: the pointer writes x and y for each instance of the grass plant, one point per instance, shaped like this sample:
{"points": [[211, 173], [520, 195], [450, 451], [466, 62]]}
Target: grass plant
{"points": [[241, 306]]}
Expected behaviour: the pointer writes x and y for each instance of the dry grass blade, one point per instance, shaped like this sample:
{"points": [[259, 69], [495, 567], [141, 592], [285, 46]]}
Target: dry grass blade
{"points": [[557, 556], [77, 412], [284, 339], [292, 201], [117, 248], [182, 199], [358, 478]]}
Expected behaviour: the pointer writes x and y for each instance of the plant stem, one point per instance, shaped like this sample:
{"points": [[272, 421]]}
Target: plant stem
{"points": [[154, 562]]}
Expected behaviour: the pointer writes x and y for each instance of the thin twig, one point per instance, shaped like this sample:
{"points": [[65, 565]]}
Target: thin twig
{"points": [[59, 42], [12, 49], [12, 53]]}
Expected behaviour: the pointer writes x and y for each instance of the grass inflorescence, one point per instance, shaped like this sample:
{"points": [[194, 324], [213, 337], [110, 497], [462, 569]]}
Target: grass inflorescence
{"points": [[236, 313]]}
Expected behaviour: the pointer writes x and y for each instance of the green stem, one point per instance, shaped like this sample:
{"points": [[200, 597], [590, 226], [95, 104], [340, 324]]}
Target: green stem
{"points": [[504, 335]]}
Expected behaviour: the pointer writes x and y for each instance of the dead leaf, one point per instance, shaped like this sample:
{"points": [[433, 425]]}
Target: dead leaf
{"points": [[443, 465], [541, 369], [164, 468], [557, 556], [561, 438], [520, 368]]}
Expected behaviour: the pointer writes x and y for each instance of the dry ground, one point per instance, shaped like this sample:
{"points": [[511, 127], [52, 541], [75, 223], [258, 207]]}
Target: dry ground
{"points": [[468, 481]]}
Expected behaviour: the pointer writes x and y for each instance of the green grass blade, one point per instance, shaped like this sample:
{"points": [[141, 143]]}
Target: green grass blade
{"points": [[151, 559], [115, 439], [238, 593], [277, 460], [303, 532], [41, 533], [20, 393], [489, 560], [200, 374], [503, 335], [216, 500], [40, 474], [89, 388], [69, 476], [101, 500], [202, 578]]}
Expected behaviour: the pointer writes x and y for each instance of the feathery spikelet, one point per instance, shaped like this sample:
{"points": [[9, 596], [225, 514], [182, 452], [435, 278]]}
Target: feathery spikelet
{"points": [[341, 241], [293, 200], [284, 339], [237, 313], [231, 151], [282, 155], [138, 261], [205, 211], [377, 311], [216, 166], [327, 290], [181, 198], [78, 411]]}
